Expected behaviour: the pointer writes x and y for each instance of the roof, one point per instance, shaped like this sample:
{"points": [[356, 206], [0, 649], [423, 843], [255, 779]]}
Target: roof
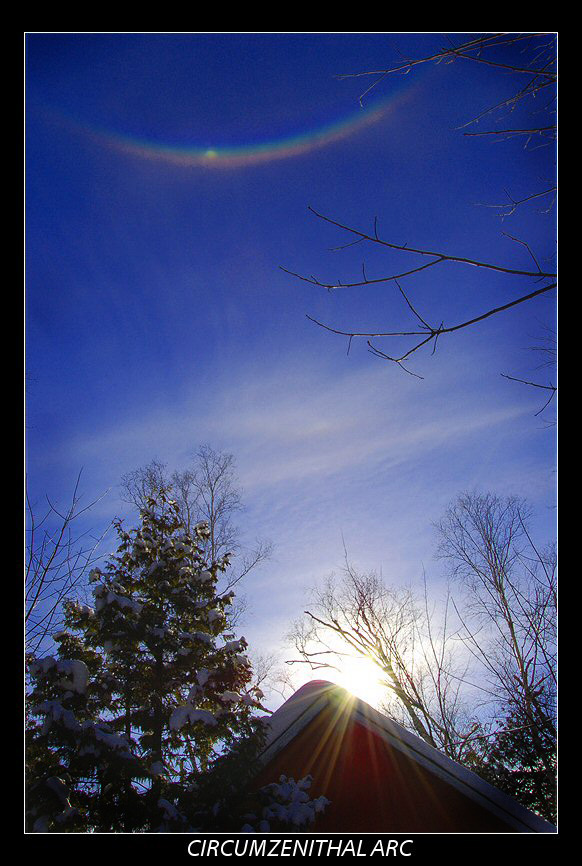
{"points": [[297, 728]]}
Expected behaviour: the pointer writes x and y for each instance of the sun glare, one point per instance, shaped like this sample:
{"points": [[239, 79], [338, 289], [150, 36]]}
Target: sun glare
{"points": [[361, 678]]}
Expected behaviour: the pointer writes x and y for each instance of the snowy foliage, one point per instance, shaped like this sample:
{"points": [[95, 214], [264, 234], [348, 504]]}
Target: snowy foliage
{"points": [[148, 707], [285, 803]]}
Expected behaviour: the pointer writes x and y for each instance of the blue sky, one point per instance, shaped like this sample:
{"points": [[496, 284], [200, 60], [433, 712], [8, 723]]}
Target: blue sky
{"points": [[168, 178]]}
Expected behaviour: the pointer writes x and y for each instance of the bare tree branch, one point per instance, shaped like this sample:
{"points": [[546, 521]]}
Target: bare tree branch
{"points": [[428, 333], [57, 564], [474, 50], [206, 491], [536, 74], [359, 615]]}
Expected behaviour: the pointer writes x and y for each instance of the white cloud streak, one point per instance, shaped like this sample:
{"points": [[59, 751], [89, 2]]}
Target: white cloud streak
{"points": [[328, 456]]}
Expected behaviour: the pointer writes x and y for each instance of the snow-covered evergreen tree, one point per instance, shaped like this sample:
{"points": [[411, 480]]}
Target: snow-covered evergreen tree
{"points": [[146, 720]]}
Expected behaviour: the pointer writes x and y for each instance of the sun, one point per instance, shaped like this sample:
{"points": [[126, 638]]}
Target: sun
{"points": [[361, 677]]}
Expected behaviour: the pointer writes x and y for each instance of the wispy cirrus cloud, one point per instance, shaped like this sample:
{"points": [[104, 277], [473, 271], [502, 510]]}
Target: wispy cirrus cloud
{"points": [[294, 425], [326, 458]]}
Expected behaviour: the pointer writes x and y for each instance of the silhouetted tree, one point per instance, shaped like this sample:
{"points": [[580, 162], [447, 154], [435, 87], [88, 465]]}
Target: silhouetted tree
{"points": [[58, 560], [207, 491], [355, 614], [146, 720], [508, 611], [475, 678]]}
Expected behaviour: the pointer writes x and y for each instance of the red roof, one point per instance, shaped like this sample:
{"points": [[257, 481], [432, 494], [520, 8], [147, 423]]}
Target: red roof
{"points": [[378, 776]]}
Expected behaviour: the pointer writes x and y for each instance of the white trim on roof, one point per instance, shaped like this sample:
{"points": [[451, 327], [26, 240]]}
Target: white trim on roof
{"points": [[296, 713]]}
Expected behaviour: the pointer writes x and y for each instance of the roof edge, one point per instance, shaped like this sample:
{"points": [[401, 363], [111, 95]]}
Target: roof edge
{"points": [[309, 700]]}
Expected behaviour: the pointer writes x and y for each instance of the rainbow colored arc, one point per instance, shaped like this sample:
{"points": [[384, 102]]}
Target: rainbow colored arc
{"points": [[251, 154]]}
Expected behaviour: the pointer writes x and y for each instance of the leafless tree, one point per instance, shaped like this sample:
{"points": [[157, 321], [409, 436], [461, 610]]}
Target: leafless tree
{"points": [[359, 615], [57, 563], [473, 671], [535, 75], [508, 609], [205, 491], [270, 674]]}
